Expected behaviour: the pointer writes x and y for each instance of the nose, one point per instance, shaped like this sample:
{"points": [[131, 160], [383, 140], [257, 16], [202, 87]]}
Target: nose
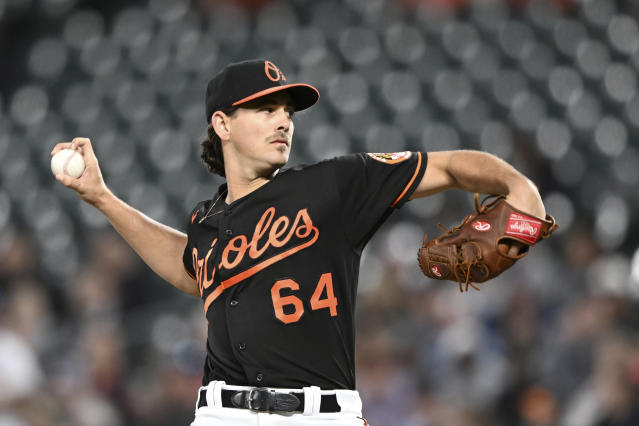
{"points": [[283, 120]]}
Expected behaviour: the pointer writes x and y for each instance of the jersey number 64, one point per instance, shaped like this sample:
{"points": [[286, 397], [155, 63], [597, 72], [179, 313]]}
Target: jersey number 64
{"points": [[279, 301]]}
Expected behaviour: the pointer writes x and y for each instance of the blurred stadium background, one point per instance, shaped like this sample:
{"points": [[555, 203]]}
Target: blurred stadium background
{"points": [[90, 337]]}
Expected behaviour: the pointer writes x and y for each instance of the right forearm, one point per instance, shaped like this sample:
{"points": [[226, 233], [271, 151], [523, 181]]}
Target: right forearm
{"points": [[160, 246]]}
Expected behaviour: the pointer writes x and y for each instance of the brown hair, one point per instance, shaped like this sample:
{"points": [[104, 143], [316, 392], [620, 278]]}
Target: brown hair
{"points": [[212, 154]]}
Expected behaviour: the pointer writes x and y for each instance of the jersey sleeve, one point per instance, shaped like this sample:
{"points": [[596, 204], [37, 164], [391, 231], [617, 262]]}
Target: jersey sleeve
{"points": [[371, 185]]}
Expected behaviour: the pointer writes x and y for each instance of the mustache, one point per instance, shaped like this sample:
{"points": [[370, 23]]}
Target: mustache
{"points": [[280, 136]]}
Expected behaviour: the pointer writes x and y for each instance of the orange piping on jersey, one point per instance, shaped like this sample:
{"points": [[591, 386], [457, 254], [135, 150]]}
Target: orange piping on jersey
{"points": [[230, 282], [419, 163]]}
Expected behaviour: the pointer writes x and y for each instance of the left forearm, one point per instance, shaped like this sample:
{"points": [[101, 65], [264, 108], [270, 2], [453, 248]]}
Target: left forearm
{"points": [[481, 172], [477, 171]]}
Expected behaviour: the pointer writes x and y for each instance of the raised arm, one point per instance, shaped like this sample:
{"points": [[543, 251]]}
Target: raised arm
{"points": [[481, 172], [161, 247]]}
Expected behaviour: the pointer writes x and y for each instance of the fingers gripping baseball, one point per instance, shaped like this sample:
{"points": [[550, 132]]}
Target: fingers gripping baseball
{"points": [[90, 184]]}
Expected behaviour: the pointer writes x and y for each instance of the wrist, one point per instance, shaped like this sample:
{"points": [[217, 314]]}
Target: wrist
{"points": [[103, 199], [524, 196]]}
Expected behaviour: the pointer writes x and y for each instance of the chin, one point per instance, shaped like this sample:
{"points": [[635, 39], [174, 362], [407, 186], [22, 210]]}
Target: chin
{"points": [[272, 166], [280, 164], [281, 160]]}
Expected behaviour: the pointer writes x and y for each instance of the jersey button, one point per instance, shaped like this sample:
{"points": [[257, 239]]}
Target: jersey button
{"points": [[259, 377], [234, 303], [242, 346], [228, 232]]}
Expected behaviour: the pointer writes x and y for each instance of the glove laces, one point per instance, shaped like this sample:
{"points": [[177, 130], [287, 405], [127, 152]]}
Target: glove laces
{"points": [[463, 273]]}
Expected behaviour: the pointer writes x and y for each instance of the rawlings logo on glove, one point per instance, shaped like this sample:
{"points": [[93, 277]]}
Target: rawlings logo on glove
{"points": [[480, 248]]}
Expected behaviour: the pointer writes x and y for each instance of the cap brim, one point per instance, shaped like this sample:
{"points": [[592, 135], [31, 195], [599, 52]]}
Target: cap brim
{"points": [[303, 95]]}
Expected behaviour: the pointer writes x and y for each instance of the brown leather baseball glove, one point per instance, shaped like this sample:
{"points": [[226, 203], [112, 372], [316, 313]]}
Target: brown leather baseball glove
{"points": [[484, 245]]}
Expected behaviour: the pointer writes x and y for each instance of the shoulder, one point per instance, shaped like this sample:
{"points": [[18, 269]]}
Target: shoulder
{"points": [[357, 162], [299, 169], [326, 163]]}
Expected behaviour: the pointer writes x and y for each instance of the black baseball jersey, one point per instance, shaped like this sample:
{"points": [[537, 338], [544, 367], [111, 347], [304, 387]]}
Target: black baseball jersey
{"points": [[277, 269]]}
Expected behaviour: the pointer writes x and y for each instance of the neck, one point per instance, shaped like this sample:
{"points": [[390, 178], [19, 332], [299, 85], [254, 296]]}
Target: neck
{"points": [[240, 185]]}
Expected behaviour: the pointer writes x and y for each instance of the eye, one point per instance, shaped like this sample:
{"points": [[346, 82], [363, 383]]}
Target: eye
{"points": [[290, 113]]}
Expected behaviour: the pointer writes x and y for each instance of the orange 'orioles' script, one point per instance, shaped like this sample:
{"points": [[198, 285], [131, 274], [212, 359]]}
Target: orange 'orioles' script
{"points": [[268, 233]]}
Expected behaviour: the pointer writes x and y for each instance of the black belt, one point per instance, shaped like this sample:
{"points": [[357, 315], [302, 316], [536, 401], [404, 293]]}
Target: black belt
{"points": [[260, 399]]}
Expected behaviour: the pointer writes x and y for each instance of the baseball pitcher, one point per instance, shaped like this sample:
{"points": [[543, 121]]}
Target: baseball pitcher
{"points": [[274, 254]]}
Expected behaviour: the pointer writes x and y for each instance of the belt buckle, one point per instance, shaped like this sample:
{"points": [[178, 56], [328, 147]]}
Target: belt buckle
{"points": [[256, 399]]}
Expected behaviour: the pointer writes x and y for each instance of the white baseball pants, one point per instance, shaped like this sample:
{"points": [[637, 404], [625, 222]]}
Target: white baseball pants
{"points": [[214, 414]]}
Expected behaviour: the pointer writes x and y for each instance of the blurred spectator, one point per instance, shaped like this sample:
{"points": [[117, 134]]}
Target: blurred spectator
{"points": [[20, 372], [18, 259], [610, 396]]}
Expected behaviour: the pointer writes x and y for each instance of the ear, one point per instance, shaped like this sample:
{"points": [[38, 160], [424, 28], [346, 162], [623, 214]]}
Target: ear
{"points": [[221, 124]]}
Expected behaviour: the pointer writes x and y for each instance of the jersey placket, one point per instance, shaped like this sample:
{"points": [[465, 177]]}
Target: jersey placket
{"points": [[234, 307]]}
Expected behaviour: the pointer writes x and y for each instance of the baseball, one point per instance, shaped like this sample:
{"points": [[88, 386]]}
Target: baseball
{"points": [[68, 162]]}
